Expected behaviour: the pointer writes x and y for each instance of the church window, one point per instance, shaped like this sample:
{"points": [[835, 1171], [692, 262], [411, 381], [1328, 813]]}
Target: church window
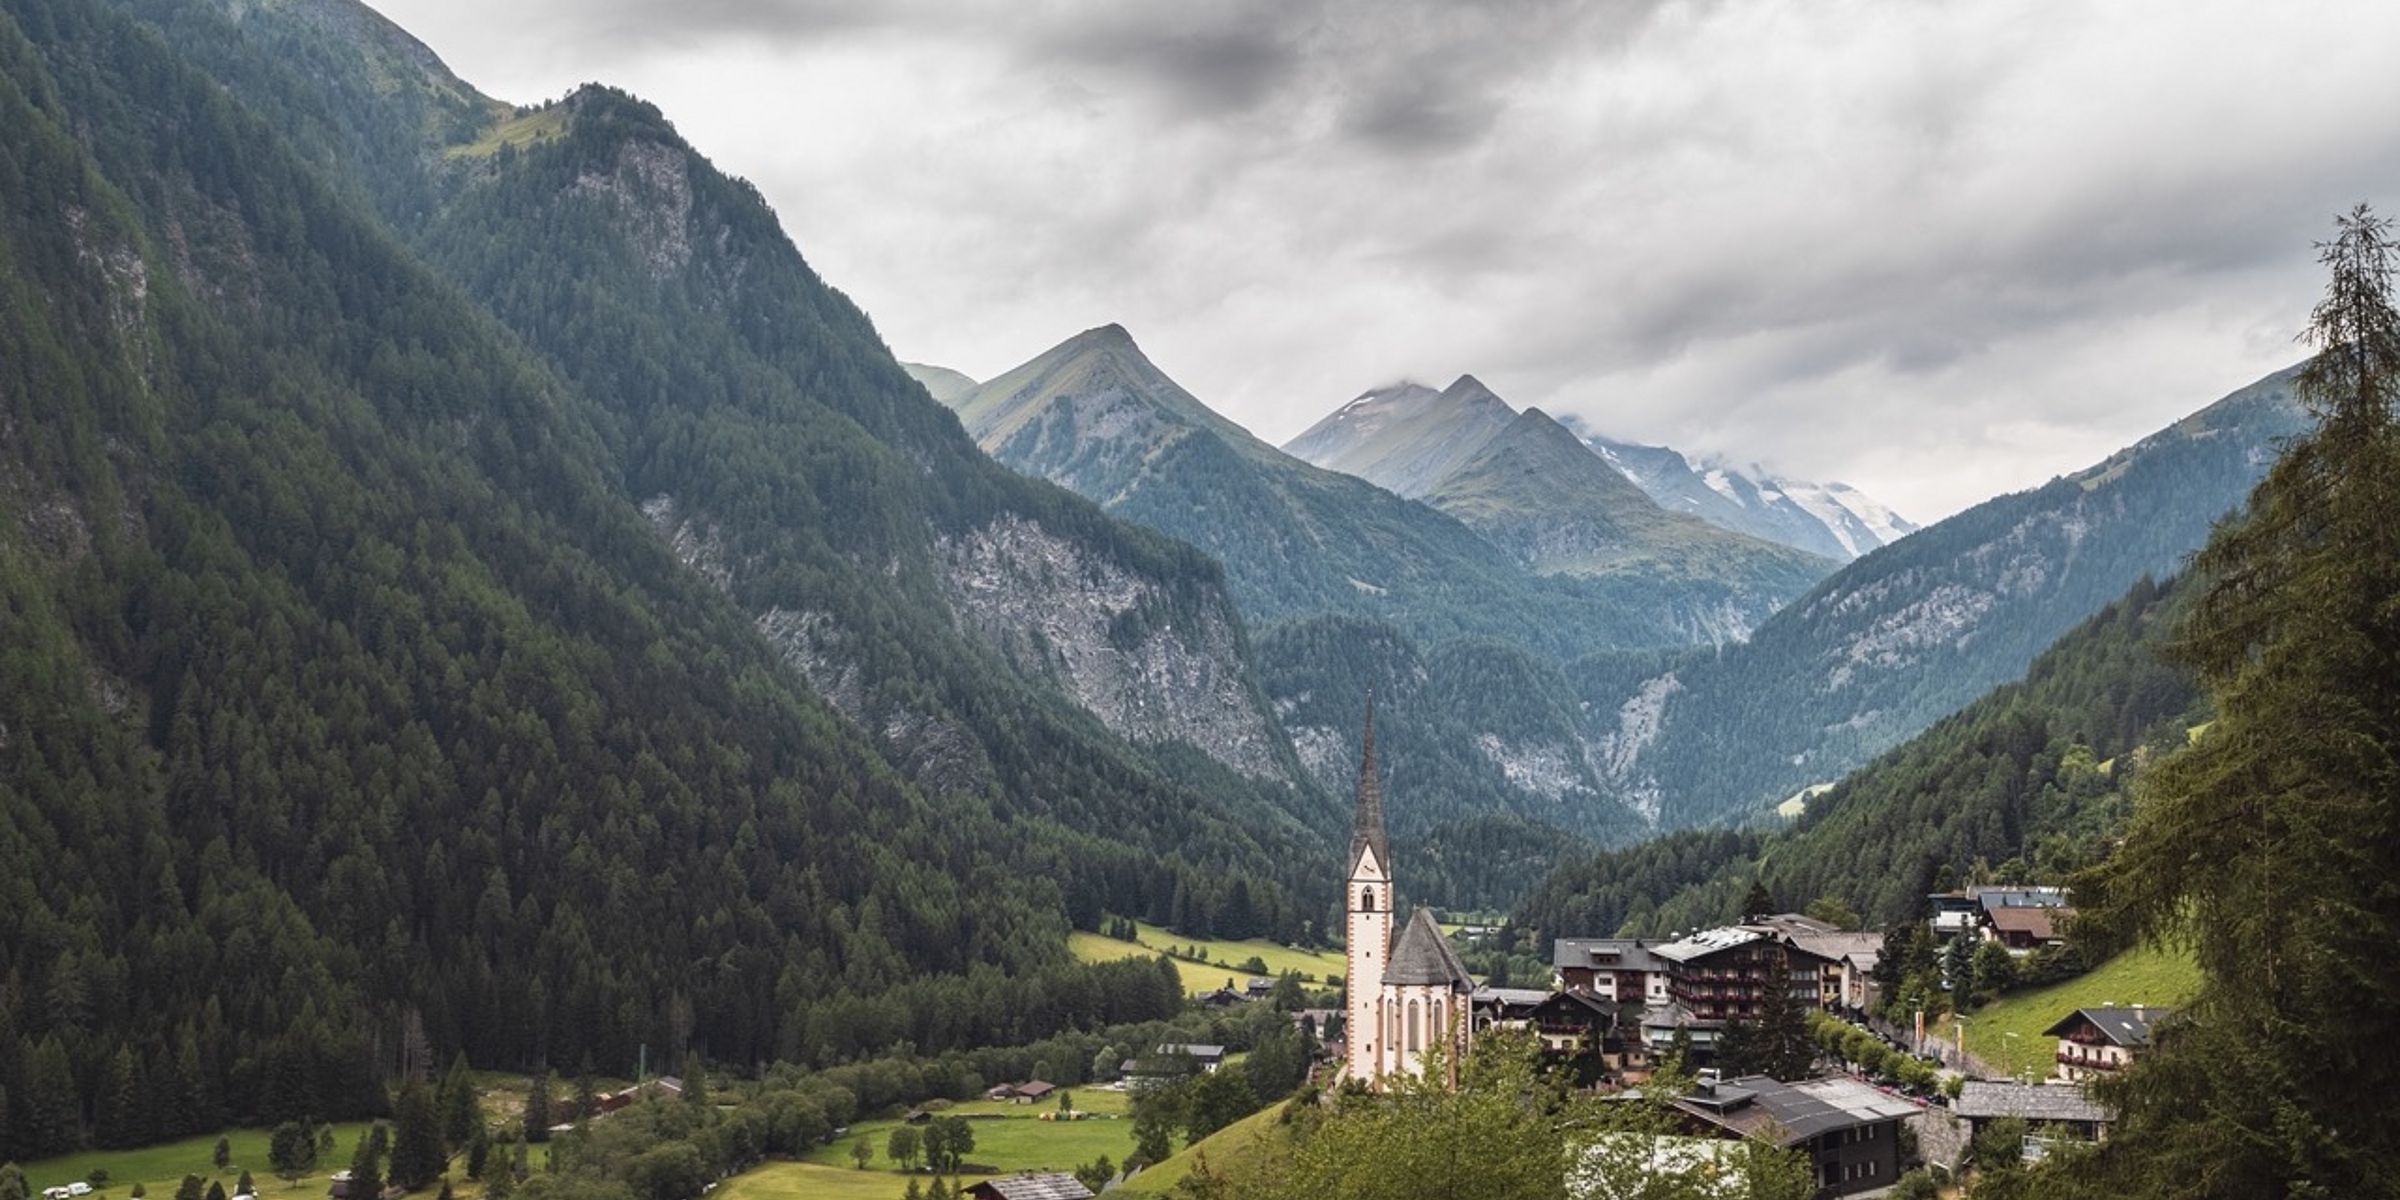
{"points": [[1366, 899], [1412, 1026]]}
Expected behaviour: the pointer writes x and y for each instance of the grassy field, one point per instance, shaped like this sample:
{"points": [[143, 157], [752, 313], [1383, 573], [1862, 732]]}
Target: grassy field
{"points": [[1236, 1148], [1314, 966], [160, 1168], [1008, 1138], [536, 126], [2141, 976]]}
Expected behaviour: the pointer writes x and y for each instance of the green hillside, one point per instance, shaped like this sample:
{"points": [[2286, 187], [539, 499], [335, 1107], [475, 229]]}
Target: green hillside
{"points": [[2145, 976]]}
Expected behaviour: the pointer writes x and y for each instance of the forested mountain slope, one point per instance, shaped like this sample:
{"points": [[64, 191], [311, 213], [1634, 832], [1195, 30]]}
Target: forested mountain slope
{"points": [[1537, 491], [2036, 771], [348, 689], [1918, 629]]}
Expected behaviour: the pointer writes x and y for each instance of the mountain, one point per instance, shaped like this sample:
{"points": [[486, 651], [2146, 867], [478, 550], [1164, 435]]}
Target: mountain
{"points": [[1411, 439], [1918, 629], [1833, 519], [466, 578], [2031, 779], [941, 383], [1534, 489], [1095, 415], [1405, 437]]}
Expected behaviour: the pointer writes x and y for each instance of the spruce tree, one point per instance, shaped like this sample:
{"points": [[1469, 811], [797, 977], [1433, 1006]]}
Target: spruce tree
{"points": [[537, 1107], [2270, 844], [461, 1109], [418, 1150]]}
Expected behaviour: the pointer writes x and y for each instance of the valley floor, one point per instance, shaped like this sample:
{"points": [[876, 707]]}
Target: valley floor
{"points": [[1315, 967]]}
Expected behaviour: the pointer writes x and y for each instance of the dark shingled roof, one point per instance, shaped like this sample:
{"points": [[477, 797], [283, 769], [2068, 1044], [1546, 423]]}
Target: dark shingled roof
{"points": [[1757, 1106], [1368, 830], [1620, 954], [1053, 1185], [2129, 1026], [1421, 955]]}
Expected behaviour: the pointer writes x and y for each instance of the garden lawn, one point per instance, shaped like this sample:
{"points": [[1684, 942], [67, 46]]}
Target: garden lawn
{"points": [[160, 1168], [1314, 966], [2144, 975]]}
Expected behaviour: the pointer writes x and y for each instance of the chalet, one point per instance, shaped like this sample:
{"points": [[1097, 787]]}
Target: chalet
{"points": [[1048, 1185], [1614, 969], [2026, 928], [1258, 989], [1504, 1008], [1224, 997], [1034, 1091], [1206, 1058], [1849, 1131], [2094, 1043], [1969, 911], [2052, 1112]]}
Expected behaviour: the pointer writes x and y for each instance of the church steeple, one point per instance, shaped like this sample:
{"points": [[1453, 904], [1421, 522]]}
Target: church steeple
{"points": [[1368, 830]]}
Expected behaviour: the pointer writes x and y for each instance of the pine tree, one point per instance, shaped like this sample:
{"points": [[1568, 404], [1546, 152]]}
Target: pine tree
{"points": [[418, 1151], [461, 1108], [2270, 844], [366, 1165], [1756, 902], [120, 1115], [537, 1107], [12, 1182]]}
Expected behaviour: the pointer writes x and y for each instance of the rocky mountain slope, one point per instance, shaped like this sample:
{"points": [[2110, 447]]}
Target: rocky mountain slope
{"points": [[1095, 415], [1918, 629]]}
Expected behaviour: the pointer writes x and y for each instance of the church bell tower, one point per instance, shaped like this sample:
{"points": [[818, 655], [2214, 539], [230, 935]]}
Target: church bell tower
{"points": [[1367, 935]]}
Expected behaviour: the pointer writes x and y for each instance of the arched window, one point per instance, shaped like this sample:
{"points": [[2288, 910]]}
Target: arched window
{"points": [[1412, 1026], [1366, 899]]}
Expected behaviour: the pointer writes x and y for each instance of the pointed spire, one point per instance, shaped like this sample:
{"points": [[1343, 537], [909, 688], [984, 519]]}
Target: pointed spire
{"points": [[1369, 828]]}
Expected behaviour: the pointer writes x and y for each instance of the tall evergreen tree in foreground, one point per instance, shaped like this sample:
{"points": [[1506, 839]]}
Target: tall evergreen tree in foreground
{"points": [[2269, 846]]}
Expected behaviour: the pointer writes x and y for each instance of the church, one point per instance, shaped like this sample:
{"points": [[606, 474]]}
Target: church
{"points": [[1404, 994]]}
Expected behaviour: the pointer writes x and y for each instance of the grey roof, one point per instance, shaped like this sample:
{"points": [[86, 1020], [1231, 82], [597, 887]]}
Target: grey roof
{"points": [[1755, 1105], [1053, 1185], [1421, 955], [2128, 1026], [1631, 954], [1707, 942], [1792, 923], [1834, 947], [1368, 830], [2030, 897], [1979, 1099], [1511, 997], [1675, 1016], [1195, 1049]]}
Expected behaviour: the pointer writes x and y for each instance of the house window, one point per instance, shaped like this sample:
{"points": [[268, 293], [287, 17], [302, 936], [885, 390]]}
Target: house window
{"points": [[1366, 899]]}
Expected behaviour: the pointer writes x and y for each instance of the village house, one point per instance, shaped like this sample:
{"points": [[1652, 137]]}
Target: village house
{"points": [[2094, 1043], [1971, 911], [1045, 1185], [2026, 928], [1849, 1132], [1615, 969], [2052, 1112], [1505, 1008]]}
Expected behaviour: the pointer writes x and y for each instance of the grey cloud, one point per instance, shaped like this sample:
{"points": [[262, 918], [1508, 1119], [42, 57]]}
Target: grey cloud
{"points": [[1931, 249]]}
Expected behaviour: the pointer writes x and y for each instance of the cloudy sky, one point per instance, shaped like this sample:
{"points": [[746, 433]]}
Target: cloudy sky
{"points": [[1937, 250]]}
